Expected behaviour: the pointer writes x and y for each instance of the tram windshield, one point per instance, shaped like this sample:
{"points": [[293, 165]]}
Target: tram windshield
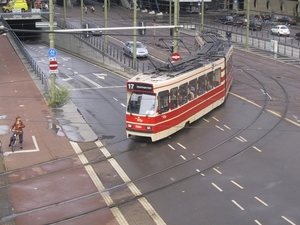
{"points": [[140, 103]]}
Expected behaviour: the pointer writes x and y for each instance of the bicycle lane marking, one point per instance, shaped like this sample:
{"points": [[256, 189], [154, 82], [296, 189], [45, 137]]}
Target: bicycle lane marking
{"points": [[37, 149]]}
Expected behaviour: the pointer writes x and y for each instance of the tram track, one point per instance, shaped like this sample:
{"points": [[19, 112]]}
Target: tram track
{"points": [[186, 163]]}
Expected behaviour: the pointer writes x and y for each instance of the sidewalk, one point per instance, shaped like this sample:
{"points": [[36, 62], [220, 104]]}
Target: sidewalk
{"points": [[20, 95]]}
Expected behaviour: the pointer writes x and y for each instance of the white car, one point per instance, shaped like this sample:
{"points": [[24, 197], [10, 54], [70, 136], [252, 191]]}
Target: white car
{"points": [[281, 30], [141, 49]]}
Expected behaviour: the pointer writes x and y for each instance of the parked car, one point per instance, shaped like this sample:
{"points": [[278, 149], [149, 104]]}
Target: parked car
{"points": [[297, 36], [226, 20], [141, 49], [92, 32], [281, 30], [17, 4], [239, 22], [255, 25], [288, 20]]}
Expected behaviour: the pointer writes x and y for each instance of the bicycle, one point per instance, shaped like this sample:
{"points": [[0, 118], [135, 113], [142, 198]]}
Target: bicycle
{"points": [[14, 140]]}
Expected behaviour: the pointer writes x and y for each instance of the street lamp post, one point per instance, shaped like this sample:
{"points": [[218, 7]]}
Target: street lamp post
{"points": [[134, 35]]}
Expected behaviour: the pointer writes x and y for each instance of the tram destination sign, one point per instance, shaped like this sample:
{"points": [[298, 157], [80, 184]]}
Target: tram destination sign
{"points": [[139, 87]]}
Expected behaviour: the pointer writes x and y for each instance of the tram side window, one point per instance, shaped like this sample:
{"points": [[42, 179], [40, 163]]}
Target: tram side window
{"points": [[217, 77], [163, 101], [174, 98], [192, 88], [201, 85], [183, 93], [210, 77]]}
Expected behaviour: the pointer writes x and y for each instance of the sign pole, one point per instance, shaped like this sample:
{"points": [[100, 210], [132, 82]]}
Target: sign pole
{"points": [[51, 40]]}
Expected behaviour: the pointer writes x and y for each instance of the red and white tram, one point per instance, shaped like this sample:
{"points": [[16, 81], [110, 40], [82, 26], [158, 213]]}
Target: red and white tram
{"points": [[175, 95]]}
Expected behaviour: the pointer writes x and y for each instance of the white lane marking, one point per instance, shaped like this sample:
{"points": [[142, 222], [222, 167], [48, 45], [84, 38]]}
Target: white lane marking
{"points": [[199, 158], [219, 128], [148, 207], [238, 205], [150, 210], [243, 139], [261, 201], [100, 75], [171, 147], [227, 127], [105, 195], [205, 120], [202, 174], [269, 111], [182, 157], [37, 149], [296, 118], [239, 139], [123, 105], [257, 149], [65, 58], [216, 186], [115, 99], [215, 169], [90, 81], [181, 146], [91, 88], [105, 152], [257, 222], [235, 183], [215, 118], [198, 170], [286, 219], [67, 79]]}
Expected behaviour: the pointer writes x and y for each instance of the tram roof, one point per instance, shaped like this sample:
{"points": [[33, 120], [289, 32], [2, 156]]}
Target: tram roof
{"points": [[214, 47]]}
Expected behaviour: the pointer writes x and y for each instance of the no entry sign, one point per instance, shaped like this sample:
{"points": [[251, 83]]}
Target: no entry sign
{"points": [[175, 56], [53, 65]]}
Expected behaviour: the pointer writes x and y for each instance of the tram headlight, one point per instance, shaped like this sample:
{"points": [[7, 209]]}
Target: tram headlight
{"points": [[129, 125], [148, 128]]}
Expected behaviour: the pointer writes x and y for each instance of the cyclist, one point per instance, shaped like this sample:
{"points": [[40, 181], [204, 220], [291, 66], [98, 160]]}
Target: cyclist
{"points": [[17, 127]]}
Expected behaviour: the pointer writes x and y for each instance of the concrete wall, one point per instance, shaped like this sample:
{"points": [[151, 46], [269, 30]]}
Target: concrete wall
{"points": [[74, 45]]}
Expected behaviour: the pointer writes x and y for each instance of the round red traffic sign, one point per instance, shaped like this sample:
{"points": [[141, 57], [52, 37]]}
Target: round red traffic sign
{"points": [[53, 65], [175, 56]]}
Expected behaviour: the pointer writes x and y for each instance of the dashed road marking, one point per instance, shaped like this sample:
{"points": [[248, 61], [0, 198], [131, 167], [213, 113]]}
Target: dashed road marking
{"points": [[216, 186], [171, 147], [286, 219], [261, 201], [235, 183], [238, 205], [219, 172], [181, 146], [220, 128], [257, 149]]}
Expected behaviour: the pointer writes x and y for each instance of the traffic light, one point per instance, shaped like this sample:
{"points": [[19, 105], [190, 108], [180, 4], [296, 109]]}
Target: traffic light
{"points": [[142, 32]]}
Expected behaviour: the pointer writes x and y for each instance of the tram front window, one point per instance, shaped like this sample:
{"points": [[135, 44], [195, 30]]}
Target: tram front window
{"points": [[143, 104]]}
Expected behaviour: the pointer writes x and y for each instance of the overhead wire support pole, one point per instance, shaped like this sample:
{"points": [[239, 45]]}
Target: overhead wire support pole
{"points": [[105, 25], [247, 25], [202, 15], [134, 61], [175, 37]]}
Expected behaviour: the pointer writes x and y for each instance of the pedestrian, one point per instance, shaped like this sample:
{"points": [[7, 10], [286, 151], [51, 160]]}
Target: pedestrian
{"points": [[17, 127], [85, 9], [228, 36], [93, 8]]}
